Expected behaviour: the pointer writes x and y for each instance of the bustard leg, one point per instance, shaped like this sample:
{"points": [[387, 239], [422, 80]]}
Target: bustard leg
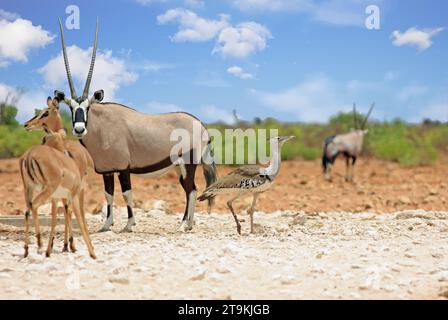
{"points": [[229, 204], [126, 189], [109, 193], [190, 191], [252, 210]]}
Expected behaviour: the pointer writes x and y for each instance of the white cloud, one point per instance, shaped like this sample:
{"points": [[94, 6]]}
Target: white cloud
{"points": [[338, 12], [192, 27], [189, 3], [6, 15], [242, 40], [390, 76], [150, 2], [415, 37], [237, 41], [312, 100], [153, 66], [211, 79], [194, 3], [411, 91], [240, 73], [110, 73], [18, 37], [211, 113], [341, 12], [270, 5]]}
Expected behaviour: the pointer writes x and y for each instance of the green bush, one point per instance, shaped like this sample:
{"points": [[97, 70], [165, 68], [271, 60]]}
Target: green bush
{"points": [[393, 141], [14, 140]]}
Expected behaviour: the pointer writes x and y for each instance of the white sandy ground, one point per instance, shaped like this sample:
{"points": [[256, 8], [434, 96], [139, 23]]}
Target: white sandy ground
{"points": [[292, 256]]}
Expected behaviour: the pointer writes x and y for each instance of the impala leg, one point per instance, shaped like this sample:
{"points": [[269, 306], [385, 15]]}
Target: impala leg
{"points": [[229, 204], [126, 189], [190, 191], [81, 207], [66, 217], [68, 239], [85, 234], [53, 226], [70, 229], [252, 210], [109, 192], [27, 229], [38, 201], [37, 228]]}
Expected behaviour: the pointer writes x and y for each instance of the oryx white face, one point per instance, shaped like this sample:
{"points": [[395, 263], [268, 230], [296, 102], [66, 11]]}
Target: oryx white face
{"points": [[79, 117]]}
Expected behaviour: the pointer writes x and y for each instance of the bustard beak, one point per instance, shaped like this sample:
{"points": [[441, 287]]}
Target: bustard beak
{"points": [[286, 138]]}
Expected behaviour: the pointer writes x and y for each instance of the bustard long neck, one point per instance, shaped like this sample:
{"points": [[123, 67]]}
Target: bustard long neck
{"points": [[274, 165]]}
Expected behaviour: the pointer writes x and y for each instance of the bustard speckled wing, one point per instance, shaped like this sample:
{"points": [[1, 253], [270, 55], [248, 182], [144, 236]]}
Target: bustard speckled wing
{"points": [[244, 178]]}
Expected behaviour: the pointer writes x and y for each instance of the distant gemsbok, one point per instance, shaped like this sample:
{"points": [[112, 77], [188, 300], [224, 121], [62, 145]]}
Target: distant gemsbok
{"points": [[49, 173], [349, 145], [49, 120], [124, 141]]}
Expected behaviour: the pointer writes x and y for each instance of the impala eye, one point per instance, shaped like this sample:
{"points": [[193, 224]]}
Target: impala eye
{"points": [[45, 114]]}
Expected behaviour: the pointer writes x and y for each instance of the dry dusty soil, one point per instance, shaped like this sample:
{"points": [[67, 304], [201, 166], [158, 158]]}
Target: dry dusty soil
{"points": [[385, 236], [292, 255]]}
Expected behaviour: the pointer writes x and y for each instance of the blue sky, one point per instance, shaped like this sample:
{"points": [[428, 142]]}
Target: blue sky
{"points": [[295, 60]]}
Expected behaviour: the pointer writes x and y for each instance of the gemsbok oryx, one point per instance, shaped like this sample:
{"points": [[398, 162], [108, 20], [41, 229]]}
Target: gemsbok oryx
{"points": [[49, 173], [124, 141], [250, 179], [50, 120], [349, 145]]}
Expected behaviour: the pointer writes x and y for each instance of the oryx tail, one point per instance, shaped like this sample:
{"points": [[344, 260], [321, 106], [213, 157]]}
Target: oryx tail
{"points": [[209, 169]]}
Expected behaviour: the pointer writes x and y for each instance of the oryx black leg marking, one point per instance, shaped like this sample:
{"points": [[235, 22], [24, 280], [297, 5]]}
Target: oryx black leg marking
{"points": [[347, 164], [109, 193], [190, 191], [126, 189], [353, 167]]}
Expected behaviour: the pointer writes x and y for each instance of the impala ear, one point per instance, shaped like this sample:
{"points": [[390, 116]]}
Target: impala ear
{"points": [[98, 95]]}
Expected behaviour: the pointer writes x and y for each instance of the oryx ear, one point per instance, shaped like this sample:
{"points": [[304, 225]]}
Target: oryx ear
{"points": [[98, 95], [59, 95]]}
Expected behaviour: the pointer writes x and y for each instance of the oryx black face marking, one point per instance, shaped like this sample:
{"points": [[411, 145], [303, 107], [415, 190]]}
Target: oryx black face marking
{"points": [[79, 115]]}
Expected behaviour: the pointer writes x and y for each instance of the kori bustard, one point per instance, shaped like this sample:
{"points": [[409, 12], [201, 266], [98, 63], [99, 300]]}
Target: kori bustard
{"points": [[250, 179]]}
